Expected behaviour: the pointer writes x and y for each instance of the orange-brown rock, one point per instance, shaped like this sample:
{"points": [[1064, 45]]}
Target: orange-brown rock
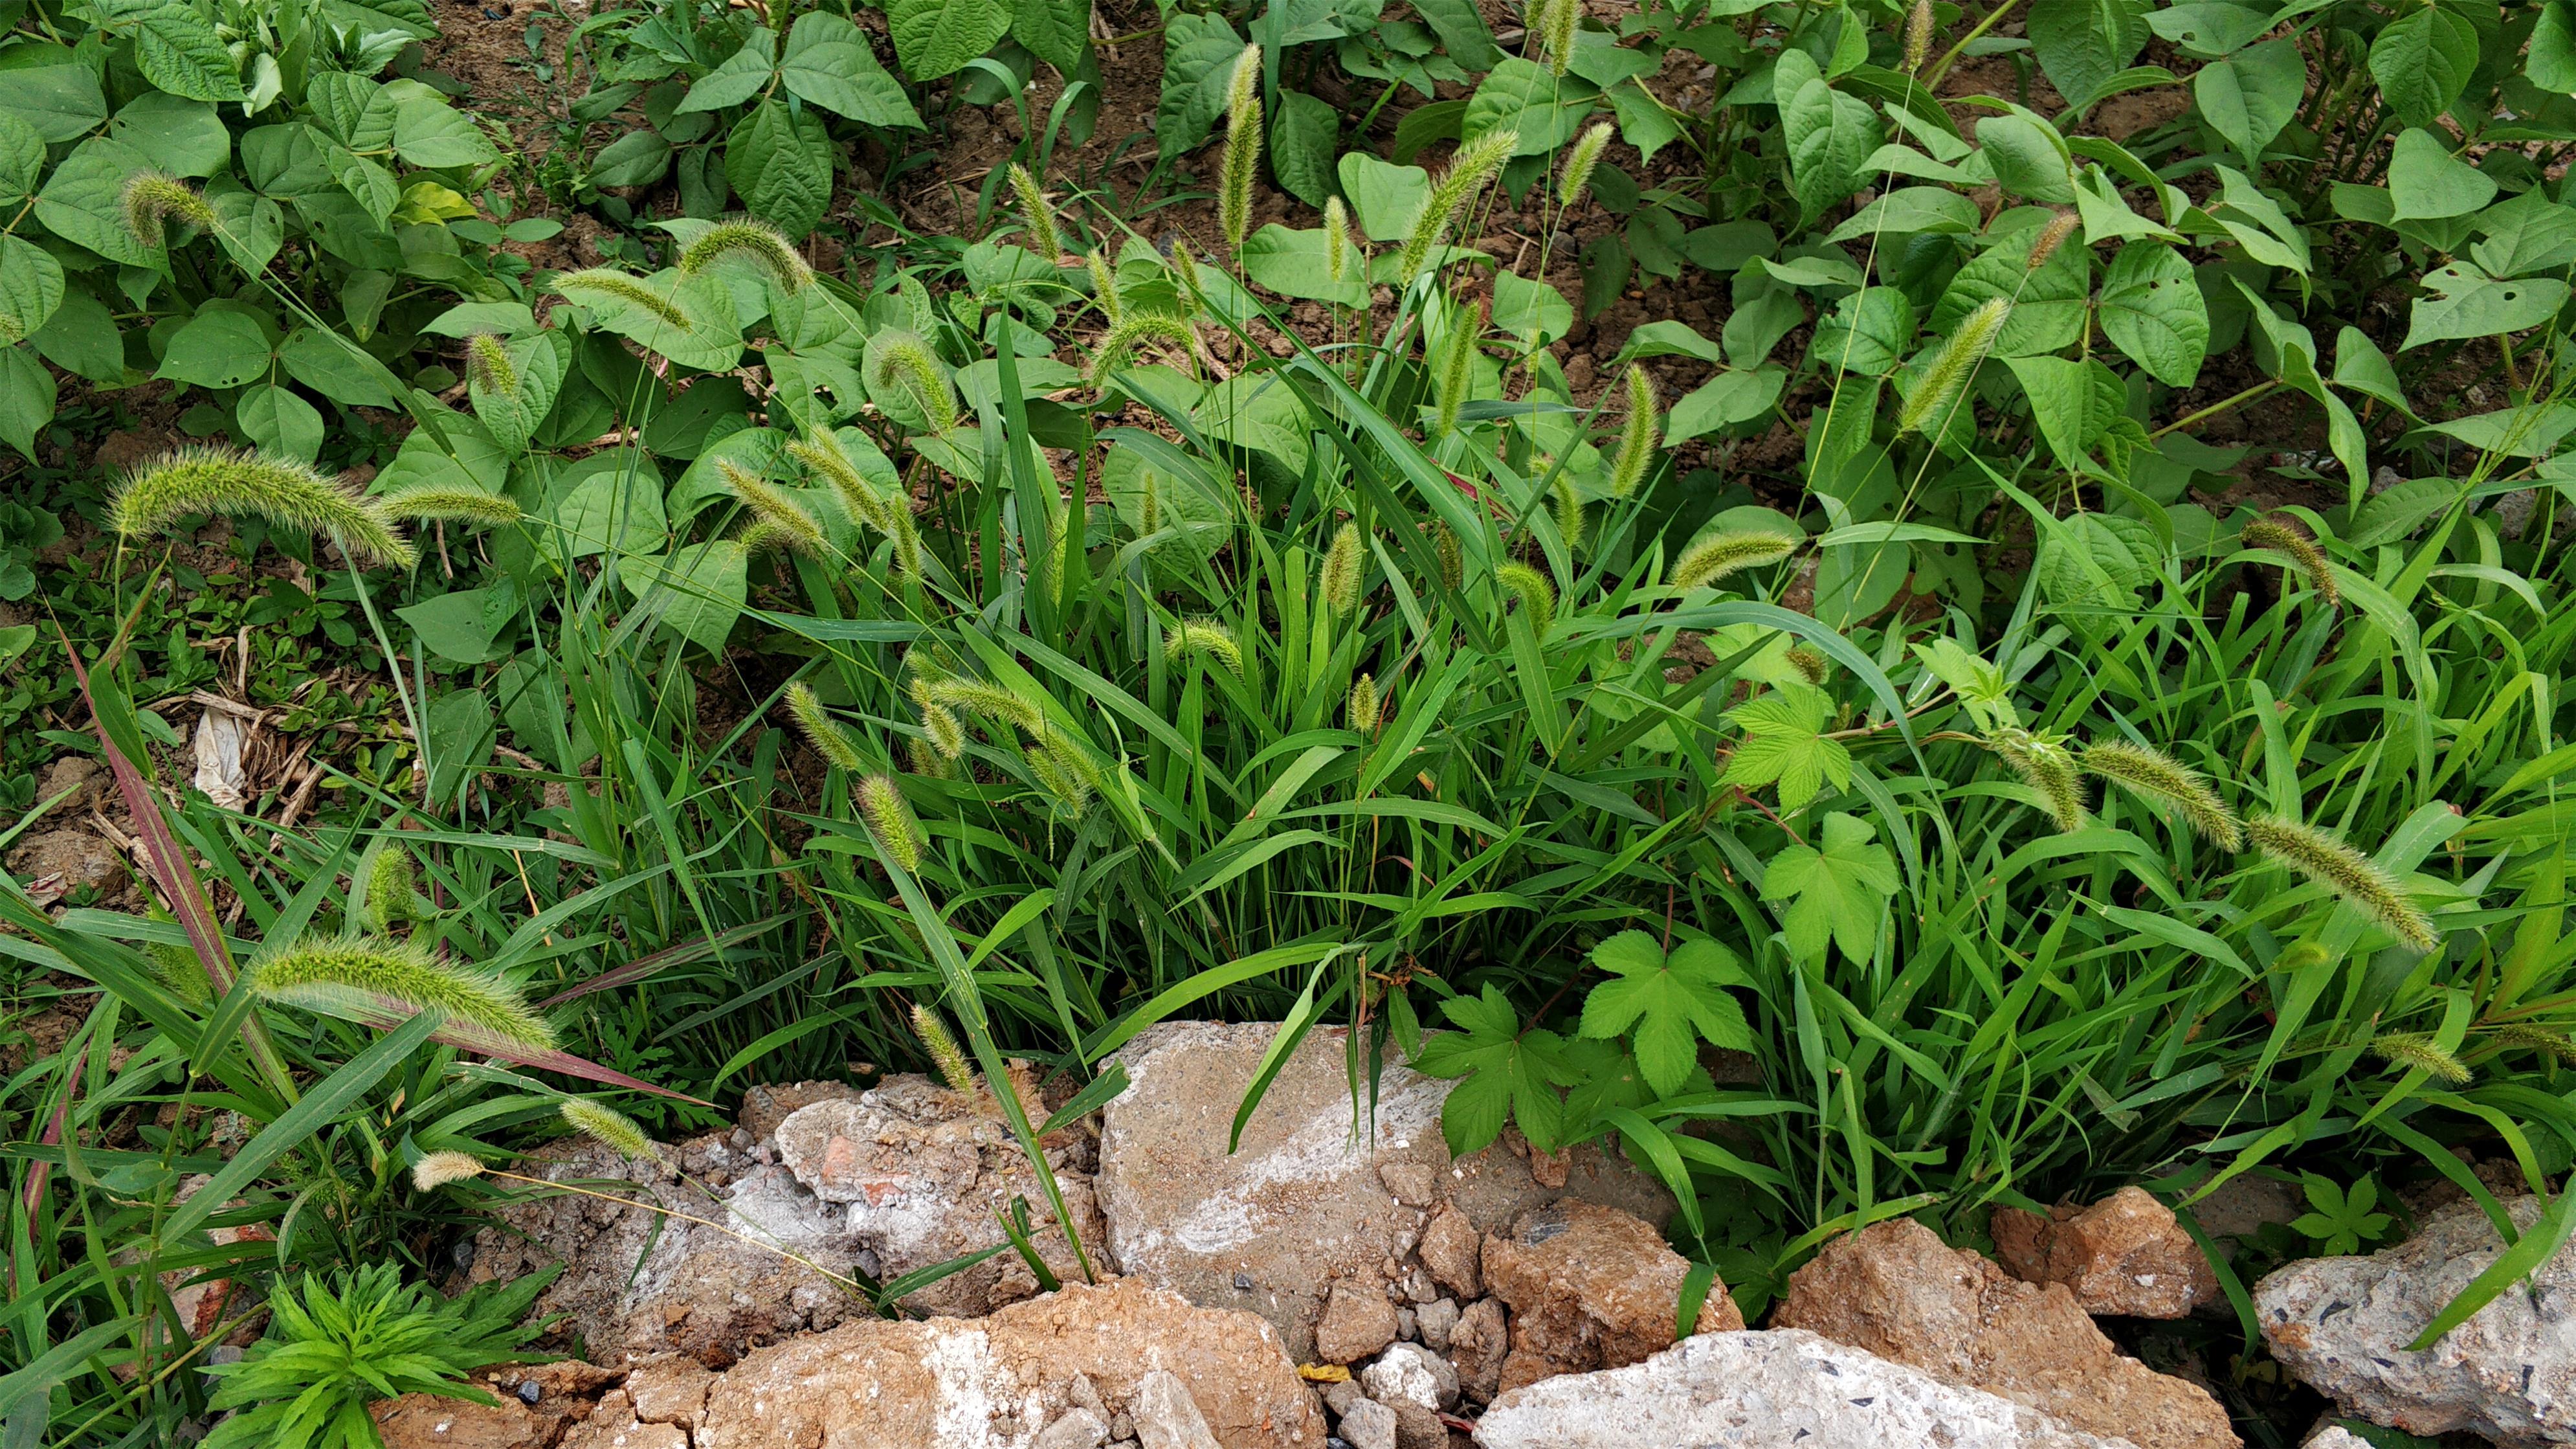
{"points": [[1589, 1287], [2125, 1254], [1895, 1290]]}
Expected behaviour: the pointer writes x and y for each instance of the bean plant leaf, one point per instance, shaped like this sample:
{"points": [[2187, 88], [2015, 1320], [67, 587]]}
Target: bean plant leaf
{"points": [[2152, 309], [1198, 51], [1837, 892], [2422, 61], [27, 399], [1302, 137], [31, 287], [1673, 1002], [1055, 31], [2427, 182], [178, 51], [1830, 134], [743, 74], [2251, 95], [780, 163], [2082, 44], [934, 38], [828, 64], [2461, 302]]}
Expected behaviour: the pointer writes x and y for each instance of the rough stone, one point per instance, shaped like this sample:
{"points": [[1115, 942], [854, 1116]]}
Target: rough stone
{"points": [[1451, 1248], [1078, 1429], [1765, 1391], [1589, 1287], [2508, 1373], [766, 1105], [79, 774], [1418, 1428], [669, 1391], [2125, 1254], [1415, 1184], [995, 1382], [2335, 1436], [1410, 1373], [1477, 1348], [1357, 1321], [1166, 1416], [922, 1171], [568, 1394], [1895, 1290], [59, 862], [1303, 1202], [1369, 1425], [1435, 1320]]}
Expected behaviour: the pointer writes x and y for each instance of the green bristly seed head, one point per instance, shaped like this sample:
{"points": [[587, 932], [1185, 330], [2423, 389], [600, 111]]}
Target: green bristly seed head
{"points": [[2046, 767], [1476, 163], [1575, 182], [946, 1056], [287, 493], [2050, 238], [362, 970], [2417, 1051], [772, 251], [1717, 555], [820, 453], [889, 819], [822, 731], [609, 1128], [1104, 284], [2167, 781], [1063, 776], [1364, 705], [1637, 436], [947, 735], [1537, 595], [1242, 148], [2292, 541], [989, 700], [1951, 369], [438, 1169], [2539, 1039], [1034, 211], [780, 521], [1457, 368], [1345, 570], [429, 502], [904, 361], [1568, 505], [1453, 557], [1810, 664], [1204, 639], [609, 282], [153, 198], [2351, 875], [488, 365], [1563, 19], [392, 892], [1135, 329], [1918, 36], [1340, 251]]}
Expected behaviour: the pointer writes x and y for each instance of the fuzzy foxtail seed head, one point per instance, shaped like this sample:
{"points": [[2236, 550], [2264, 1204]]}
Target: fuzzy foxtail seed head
{"points": [[2353, 876], [1637, 436], [1563, 18], [2538, 1038], [1104, 285], [1810, 664], [1345, 569], [1457, 367], [821, 453], [609, 1128], [1956, 362], [780, 521], [1568, 507], [1242, 147], [1064, 776], [2417, 1051], [889, 819], [1204, 638], [607, 282], [428, 501], [1575, 182], [1476, 163], [488, 365], [438, 1169], [1537, 595], [821, 731], [2168, 781], [947, 735], [2045, 766], [152, 198], [1453, 558], [1714, 556], [761, 244], [1364, 704], [1918, 36], [2293, 541], [904, 361], [283, 491], [2050, 238], [392, 891], [1035, 211], [1339, 250], [1133, 331], [361, 972], [946, 1056], [989, 700]]}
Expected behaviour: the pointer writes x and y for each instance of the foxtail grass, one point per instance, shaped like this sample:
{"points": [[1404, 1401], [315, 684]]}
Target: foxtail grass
{"points": [[283, 491], [2354, 877], [1713, 557], [2167, 781], [363, 971]]}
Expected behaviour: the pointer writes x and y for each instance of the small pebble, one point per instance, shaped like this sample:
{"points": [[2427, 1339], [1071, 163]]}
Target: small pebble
{"points": [[529, 1393], [1242, 1282]]}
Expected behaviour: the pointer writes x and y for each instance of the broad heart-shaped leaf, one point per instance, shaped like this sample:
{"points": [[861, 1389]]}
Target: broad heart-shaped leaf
{"points": [[744, 74], [1462, 31], [2048, 305], [177, 50], [1535, 312], [1837, 891], [277, 421], [354, 110], [1521, 95], [1735, 395], [62, 102], [2422, 59], [1055, 31], [22, 158], [2527, 235], [2152, 310], [2029, 158], [1301, 146], [1197, 53], [1830, 134], [2425, 181], [83, 201], [1509, 1074], [1292, 264], [2082, 44], [82, 338], [1868, 331], [216, 349], [31, 287], [1784, 741], [2060, 392], [27, 399], [934, 38], [828, 64], [1385, 197], [430, 132], [1674, 1002], [780, 164], [2248, 97], [540, 361], [705, 335], [2462, 301], [2549, 62], [698, 589]]}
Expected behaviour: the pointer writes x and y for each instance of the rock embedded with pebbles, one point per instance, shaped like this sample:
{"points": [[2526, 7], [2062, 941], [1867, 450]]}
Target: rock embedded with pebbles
{"points": [[2125, 1255], [1589, 1287], [2508, 1373], [1896, 1290], [1777, 1390]]}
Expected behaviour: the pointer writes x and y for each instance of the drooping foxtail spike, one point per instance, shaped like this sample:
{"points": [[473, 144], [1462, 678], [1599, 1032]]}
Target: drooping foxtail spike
{"points": [[2351, 875], [284, 491]]}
